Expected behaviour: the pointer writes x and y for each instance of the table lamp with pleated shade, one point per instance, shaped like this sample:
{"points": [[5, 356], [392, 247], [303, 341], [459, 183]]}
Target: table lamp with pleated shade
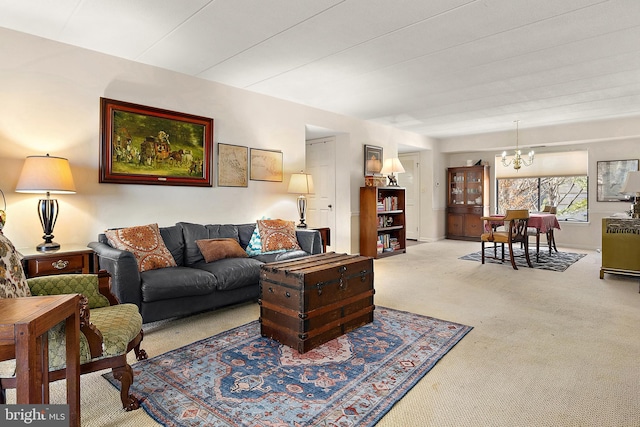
{"points": [[46, 174]]}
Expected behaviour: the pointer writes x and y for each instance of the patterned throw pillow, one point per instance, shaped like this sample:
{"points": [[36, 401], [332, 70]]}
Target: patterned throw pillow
{"points": [[13, 282], [277, 235], [146, 244], [254, 247], [215, 249]]}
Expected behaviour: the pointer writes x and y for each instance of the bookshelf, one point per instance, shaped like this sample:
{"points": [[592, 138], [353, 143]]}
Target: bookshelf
{"points": [[382, 221]]}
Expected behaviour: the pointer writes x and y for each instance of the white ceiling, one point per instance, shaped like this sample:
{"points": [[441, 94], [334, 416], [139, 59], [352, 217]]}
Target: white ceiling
{"points": [[437, 67]]}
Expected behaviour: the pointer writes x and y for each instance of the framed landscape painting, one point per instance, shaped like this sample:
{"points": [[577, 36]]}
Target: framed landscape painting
{"points": [[146, 145], [611, 177], [266, 165], [233, 167]]}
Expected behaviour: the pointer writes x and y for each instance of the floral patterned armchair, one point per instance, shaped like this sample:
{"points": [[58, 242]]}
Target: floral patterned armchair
{"points": [[109, 330]]}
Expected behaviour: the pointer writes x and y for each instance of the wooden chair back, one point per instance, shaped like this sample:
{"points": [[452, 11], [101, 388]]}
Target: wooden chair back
{"points": [[516, 221]]}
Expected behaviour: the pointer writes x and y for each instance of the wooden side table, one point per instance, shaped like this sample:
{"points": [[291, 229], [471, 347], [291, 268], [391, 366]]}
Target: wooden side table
{"points": [[24, 323], [69, 258], [325, 235]]}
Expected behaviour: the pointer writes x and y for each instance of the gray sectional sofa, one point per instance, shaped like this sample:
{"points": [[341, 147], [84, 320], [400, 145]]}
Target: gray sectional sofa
{"points": [[194, 285]]}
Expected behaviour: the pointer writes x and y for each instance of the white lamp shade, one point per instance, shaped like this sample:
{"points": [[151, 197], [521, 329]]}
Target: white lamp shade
{"points": [[391, 166], [301, 183], [632, 183], [42, 174]]}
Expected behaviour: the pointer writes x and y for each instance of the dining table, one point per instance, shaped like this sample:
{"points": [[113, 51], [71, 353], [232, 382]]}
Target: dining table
{"points": [[542, 222]]}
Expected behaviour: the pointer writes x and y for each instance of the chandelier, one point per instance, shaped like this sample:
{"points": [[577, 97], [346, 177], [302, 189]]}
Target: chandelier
{"points": [[518, 161]]}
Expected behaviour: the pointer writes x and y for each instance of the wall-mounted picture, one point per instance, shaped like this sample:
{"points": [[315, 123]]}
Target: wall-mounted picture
{"points": [[372, 160], [233, 165], [611, 177], [147, 145], [266, 165]]}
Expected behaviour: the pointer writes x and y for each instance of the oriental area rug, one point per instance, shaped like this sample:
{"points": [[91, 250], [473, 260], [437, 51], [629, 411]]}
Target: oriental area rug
{"points": [[239, 378], [557, 261]]}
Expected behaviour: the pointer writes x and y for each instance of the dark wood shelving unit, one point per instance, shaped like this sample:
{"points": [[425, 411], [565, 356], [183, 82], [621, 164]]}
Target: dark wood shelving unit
{"points": [[386, 224]]}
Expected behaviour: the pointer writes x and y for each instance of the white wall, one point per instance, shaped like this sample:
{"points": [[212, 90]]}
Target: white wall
{"points": [[50, 104]]}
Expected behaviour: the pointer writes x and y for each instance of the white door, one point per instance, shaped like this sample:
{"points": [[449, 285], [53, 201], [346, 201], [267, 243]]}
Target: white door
{"points": [[320, 163], [410, 180]]}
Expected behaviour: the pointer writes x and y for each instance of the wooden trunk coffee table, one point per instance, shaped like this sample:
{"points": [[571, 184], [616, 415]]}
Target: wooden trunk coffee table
{"points": [[309, 301]]}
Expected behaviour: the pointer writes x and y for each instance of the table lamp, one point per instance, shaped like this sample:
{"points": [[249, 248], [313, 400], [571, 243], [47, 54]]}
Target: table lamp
{"points": [[301, 183], [632, 185], [390, 167], [46, 174]]}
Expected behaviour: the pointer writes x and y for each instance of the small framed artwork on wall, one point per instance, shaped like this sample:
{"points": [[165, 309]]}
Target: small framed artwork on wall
{"points": [[372, 160], [266, 165], [233, 166]]}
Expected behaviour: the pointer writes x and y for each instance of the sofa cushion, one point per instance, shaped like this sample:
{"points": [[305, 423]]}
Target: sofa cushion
{"points": [[277, 234], [176, 282], [233, 273], [245, 232], [146, 244], [174, 241], [215, 249], [193, 232]]}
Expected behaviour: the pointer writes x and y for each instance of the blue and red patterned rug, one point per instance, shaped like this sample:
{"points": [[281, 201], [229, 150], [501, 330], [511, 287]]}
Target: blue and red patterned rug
{"points": [[239, 378]]}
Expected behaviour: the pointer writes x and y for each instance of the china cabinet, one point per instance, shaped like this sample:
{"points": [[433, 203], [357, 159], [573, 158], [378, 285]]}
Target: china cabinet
{"points": [[467, 201]]}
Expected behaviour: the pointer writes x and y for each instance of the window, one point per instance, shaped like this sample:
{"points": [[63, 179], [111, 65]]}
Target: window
{"points": [[568, 193], [554, 179]]}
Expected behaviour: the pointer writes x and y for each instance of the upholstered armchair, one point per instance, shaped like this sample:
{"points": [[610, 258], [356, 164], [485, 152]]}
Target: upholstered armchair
{"points": [[109, 330]]}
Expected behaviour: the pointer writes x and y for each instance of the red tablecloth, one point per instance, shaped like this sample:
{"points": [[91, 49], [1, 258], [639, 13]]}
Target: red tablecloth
{"points": [[541, 221]]}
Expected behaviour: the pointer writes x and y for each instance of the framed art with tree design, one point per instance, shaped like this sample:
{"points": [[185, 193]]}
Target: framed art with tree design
{"points": [[611, 177]]}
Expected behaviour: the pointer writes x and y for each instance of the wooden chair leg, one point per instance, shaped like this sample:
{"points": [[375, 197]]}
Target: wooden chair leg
{"points": [[140, 353], [552, 241], [483, 251], [124, 374], [513, 260], [526, 253]]}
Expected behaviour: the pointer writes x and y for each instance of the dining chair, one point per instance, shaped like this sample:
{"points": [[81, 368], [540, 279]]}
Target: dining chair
{"points": [[516, 221]]}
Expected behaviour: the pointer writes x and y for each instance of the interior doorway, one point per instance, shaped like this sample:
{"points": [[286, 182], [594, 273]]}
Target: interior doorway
{"points": [[320, 163], [410, 180]]}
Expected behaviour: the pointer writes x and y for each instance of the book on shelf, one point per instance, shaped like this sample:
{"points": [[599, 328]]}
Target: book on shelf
{"points": [[389, 203]]}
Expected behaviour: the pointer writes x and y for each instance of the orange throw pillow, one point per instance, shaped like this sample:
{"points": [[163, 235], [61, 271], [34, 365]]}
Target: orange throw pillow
{"points": [[146, 244], [278, 235], [215, 249]]}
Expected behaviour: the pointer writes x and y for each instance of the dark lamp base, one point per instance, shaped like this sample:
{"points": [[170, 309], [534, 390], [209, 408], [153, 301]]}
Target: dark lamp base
{"points": [[48, 246]]}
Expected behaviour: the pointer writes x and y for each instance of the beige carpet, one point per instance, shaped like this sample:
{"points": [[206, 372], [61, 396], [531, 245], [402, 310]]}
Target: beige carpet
{"points": [[547, 348]]}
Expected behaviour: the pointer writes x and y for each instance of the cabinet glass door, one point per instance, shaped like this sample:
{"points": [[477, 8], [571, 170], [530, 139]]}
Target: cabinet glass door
{"points": [[457, 192], [474, 188]]}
